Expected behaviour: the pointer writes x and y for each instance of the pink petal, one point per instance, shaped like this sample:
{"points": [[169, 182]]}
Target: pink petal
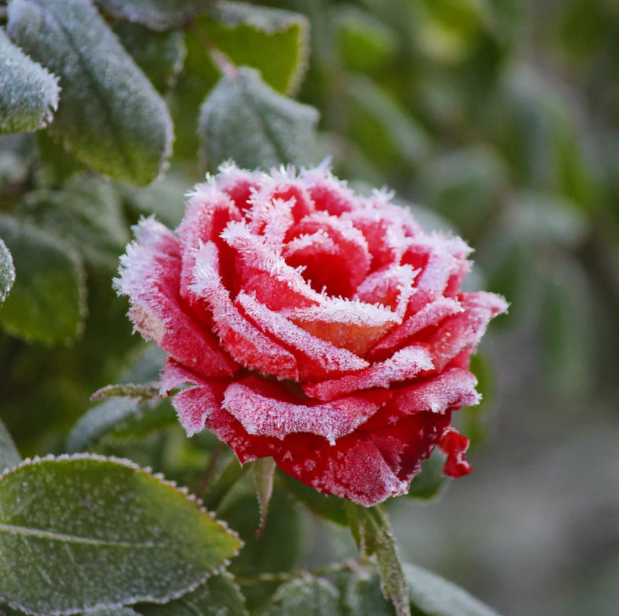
{"points": [[263, 271], [342, 266], [464, 331], [265, 416], [150, 277], [247, 344], [451, 389], [238, 184], [430, 315], [195, 404], [347, 324], [316, 358], [404, 365]]}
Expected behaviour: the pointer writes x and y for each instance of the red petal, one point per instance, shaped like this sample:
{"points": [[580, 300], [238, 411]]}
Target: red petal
{"points": [[195, 404], [454, 445], [247, 344], [264, 415], [316, 358], [404, 365], [150, 277]]}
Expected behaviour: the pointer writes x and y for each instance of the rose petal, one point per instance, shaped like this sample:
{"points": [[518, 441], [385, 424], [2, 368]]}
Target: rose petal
{"points": [[194, 405], [404, 365], [267, 416], [454, 445], [347, 324], [430, 315], [150, 277], [316, 358], [463, 331], [263, 271], [247, 344], [340, 268], [238, 184]]}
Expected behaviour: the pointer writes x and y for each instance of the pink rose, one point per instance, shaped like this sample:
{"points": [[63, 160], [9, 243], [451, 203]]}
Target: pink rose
{"points": [[321, 328]]}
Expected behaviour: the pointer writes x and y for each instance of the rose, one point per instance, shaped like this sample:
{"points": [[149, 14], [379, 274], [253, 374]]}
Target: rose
{"points": [[321, 328]]}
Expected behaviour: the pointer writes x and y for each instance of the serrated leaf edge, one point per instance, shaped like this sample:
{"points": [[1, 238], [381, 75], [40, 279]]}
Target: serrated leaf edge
{"points": [[167, 482]]}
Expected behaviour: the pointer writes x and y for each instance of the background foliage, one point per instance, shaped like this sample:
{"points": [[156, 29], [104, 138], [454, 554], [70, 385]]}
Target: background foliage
{"points": [[500, 117]]}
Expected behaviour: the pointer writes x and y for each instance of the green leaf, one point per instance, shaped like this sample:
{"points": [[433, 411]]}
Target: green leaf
{"points": [[307, 596], [110, 115], [331, 508], [363, 597], [263, 472], [87, 214], [430, 481], [101, 533], [156, 14], [7, 271], [223, 484], [435, 596], [56, 164], [246, 121], [159, 54], [48, 300], [372, 531], [219, 596], [9, 456], [113, 611], [119, 419], [271, 40], [28, 93]]}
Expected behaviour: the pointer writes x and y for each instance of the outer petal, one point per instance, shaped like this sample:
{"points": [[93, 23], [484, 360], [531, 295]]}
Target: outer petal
{"points": [[194, 405], [150, 276], [268, 416], [464, 331]]}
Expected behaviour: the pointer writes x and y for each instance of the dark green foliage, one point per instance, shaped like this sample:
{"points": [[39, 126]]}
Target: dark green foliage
{"points": [[28, 93], [109, 115]]}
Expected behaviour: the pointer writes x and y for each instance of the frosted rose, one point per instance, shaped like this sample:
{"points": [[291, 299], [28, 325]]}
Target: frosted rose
{"points": [[321, 328]]}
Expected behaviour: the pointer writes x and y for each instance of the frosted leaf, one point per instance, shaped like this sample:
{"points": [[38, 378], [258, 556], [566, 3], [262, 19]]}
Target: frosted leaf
{"points": [[156, 14], [261, 415], [7, 271], [348, 324], [247, 344], [273, 129], [305, 346], [404, 365], [9, 456], [47, 302], [101, 532], [451, 389], [431, 314], [109, 115], [308, 596], [28, 93]]}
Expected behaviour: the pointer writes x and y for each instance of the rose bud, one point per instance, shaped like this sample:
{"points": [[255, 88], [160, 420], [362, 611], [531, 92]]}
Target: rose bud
{"points": [[310, 324]]}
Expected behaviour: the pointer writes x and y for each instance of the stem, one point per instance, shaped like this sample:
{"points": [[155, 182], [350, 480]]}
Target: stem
{"points": [[207, 475]]}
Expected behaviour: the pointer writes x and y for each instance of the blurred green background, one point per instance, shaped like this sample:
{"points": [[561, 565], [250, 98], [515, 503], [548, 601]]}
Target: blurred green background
{"points": [[501, 117]]}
